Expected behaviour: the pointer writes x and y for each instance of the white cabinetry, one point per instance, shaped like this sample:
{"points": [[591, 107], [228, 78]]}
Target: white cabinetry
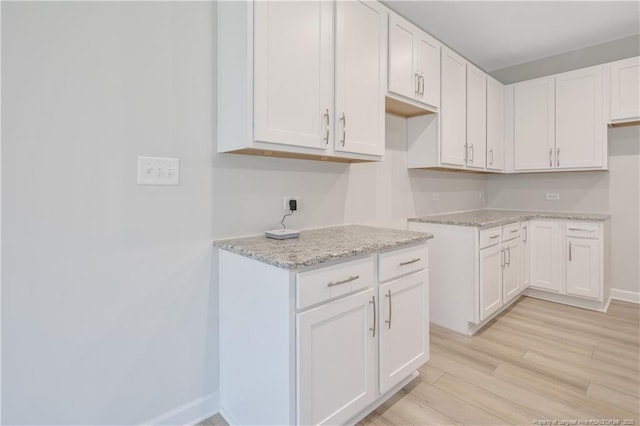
{"points": [[546, 255], [476, 118], [534, 124], [491, 264], [495, 124], [567, 259], [337, 359], [511, 269], [276, 87], [453, 112], [321, 345], [525, 257], [559, 122], [414, 63], [625, 91]]}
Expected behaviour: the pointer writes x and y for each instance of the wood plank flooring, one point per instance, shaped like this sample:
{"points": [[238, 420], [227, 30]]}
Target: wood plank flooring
{"points": [[537, 361]]}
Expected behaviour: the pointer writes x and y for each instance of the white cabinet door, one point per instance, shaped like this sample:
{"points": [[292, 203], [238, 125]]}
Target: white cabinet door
{"points": [[524, 256], [428, 68], [495, 124], [293, 66], [336, 360], [453, 109], [360, 77], [476, 117], [403, 76], [580, 124], [583, 267], [625, 89], [534, 125], [546, 258], [404, 328], [511, 272], [492, 262]]}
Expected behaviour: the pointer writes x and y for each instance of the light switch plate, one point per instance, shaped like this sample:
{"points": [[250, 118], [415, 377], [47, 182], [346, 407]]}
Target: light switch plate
{"points": [[158, 171]]}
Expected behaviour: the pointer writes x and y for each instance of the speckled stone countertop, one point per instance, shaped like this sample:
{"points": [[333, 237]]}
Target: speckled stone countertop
{"points": [[317, 246], [490, 218]]}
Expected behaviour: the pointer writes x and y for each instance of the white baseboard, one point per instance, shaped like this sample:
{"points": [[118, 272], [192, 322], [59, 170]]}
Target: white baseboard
{"points": [[627, 296], [189, 413]]}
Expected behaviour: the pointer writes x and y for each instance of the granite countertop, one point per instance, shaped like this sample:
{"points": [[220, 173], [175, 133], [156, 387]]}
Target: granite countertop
{"points": [[317, 246], [490, 218]]}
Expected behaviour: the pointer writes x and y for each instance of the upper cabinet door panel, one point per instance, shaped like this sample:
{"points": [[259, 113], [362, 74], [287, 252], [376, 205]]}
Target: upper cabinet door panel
{"points": [[476, 117], [360, 76], [625, 89], [495, 124], [580, 126], [293, 72], [534, 124], [428, 69], [453, 115], [403, 78]]}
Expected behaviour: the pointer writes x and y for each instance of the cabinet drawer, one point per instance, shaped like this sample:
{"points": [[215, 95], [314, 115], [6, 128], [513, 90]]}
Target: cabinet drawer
{"points": [[399, 262], [491, 236], [583, 229], [327, 283], [510, 231]]}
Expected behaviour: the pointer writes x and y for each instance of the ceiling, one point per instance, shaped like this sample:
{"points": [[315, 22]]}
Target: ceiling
{"points": [[499, 34]]}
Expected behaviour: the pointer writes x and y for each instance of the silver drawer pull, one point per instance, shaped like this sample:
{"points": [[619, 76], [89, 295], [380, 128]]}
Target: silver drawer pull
{"points": [[583, 230], [494, 237], [417, 259], [348, 280], [514, 230]]}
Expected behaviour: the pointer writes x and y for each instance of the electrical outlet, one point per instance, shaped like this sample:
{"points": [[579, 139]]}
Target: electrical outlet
{"points": [[158, 171], [285, 204], [553, 195], [435, 196]]}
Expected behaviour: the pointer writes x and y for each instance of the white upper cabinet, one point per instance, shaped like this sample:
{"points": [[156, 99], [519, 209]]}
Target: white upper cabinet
{"points": [[625, 90], [453, 109], [476, 117], [276, 90], [534, 124], [495, 124], [360, 77], [414, 62], [580, 125], [293, 72]]}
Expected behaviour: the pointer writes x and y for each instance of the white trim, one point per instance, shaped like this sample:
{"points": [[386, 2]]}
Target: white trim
{"points": [[0, 214], [190, 413], [627, 296]]}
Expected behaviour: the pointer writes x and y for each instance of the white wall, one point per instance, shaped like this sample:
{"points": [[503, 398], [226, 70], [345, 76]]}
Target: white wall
{"points": [[109, 313]]}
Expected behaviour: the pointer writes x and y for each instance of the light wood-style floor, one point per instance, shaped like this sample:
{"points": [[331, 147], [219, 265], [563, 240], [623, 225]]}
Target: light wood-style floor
{"points": [[536, 361]]}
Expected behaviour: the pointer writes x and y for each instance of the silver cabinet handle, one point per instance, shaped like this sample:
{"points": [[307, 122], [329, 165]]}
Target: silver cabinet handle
{"points": [[422, 85], [473, 153], [513, 231], [581, 229], [409, 262], [558, 157], [550, 157], [494, 236], [343, 118], [509, 252], [326, 134], [373, 303], [348, 280], [417, 84], [388, 322], [569, 251], [524, 235], [491, 152]]}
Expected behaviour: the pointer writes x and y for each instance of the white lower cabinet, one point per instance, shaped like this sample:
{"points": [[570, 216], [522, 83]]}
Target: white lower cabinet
{"points": [[546, 258], [525, 258], [404, 328], [337, 359], [511, 270], [323, 345], [491, 259]]}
